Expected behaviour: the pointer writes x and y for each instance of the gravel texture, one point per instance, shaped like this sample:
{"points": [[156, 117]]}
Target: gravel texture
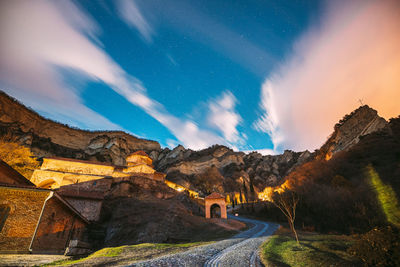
{"points": [[240, 250], [29, 259]]}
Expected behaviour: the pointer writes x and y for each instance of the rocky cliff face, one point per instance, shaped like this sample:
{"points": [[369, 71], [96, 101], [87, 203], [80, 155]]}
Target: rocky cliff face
{"points": [[245, 172], [231, 171], [49, 138], [216, 168], [348, 131]]}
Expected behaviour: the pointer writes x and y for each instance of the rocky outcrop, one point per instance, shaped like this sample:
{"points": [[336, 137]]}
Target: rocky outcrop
{"points": [[239, 171], [48, 138], [140, 210], [348, 131], [254, 170], [231, 171]]}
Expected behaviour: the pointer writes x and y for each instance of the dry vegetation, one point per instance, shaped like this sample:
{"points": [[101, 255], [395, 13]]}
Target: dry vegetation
{"points": [[18, 157], [355, 191]]}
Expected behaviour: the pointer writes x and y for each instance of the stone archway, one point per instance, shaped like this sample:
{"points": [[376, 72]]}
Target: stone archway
{"points": [[215, 211], [215, 199]]}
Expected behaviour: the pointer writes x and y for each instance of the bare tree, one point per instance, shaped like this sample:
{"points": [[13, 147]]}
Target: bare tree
{"points": [[287, 202]]}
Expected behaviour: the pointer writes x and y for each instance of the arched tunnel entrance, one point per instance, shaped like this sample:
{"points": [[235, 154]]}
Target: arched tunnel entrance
{"points": [[215, 211], [215, 206]]}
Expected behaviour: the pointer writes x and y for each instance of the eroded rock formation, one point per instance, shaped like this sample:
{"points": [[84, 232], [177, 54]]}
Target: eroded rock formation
{"points": [[216, 168], [348, 131], [47, 138], [231, 171]]}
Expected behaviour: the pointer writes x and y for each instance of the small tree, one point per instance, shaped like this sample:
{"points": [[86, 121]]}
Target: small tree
{"points": [[287, 202]]}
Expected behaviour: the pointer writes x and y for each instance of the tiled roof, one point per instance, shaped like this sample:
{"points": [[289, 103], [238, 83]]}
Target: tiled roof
{"points": [[7, 171], [81, 194]]}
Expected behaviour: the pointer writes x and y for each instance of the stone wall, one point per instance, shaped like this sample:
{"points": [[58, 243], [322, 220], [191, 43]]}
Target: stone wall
{"points": [[55, 179], [99, 185], [73, 166], [87, 197], [89, 208], [141, 168], [25, 207], [55, 173], [58, 226]]}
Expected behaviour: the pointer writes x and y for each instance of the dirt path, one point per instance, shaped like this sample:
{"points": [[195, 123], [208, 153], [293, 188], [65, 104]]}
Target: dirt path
{"points": [[240, 250]]}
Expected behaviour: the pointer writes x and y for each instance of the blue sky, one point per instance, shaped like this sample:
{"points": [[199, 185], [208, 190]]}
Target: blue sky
{"points": [[194, 73]]}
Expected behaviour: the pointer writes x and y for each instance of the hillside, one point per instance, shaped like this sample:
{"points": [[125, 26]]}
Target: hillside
{"points": [[216, 168], [140, 210], [357, 189], [349, 130], [49, 138]]}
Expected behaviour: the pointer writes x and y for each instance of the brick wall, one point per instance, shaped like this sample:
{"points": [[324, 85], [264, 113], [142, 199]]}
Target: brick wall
{"points": [[25, 207]]}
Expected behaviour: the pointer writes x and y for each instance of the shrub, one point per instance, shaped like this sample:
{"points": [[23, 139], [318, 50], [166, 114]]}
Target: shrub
{"points": [[18, 157], [378, 247]]}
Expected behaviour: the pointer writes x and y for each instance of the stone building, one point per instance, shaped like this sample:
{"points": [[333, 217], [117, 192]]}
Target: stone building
{"points": [[87, 197], [35, 220], [139, 157], [55, 172], [214, 202]]}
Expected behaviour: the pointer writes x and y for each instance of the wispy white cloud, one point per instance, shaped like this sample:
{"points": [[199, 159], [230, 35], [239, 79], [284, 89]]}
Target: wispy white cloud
{"points": [[37, 39], [130, 13], [269, 121], [34, 38], [352, 53], [224, 118]]}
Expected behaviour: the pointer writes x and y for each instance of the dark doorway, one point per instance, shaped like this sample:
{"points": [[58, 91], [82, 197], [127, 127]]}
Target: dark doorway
{"points": [[215, 211]]}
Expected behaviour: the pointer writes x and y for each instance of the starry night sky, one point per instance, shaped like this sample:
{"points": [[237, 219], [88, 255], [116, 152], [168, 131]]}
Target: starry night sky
{"points": [[194, 73]]}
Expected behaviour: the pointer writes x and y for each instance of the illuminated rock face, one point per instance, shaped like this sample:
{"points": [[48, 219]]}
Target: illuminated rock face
{"points": [[47, 138], [56, 172], [350, 129], [181, 188], [139, 157]]}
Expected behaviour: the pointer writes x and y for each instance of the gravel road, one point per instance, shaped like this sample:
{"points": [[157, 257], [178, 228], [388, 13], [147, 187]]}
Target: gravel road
{"points": [[240, 250]]}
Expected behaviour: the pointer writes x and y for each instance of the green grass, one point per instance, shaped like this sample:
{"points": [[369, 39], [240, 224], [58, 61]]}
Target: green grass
{"points": [[386, 197], [129, 253], [314, 250]]}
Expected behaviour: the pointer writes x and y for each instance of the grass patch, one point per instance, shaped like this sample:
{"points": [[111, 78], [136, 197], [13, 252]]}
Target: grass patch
{"points": [[128, 253], [314, 250]]}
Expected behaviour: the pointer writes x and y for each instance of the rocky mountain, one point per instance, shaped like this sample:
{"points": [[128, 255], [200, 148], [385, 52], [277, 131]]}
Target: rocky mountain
{"points": [[350, 129], [217, 168], [49, 138], [230, 171], [240, 172]]}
